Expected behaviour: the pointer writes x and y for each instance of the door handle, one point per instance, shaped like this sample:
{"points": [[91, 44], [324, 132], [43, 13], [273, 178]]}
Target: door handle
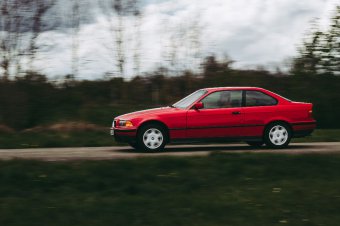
{"points": [[236, 112]]}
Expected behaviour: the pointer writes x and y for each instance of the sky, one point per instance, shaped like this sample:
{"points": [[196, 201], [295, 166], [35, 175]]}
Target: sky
{"points": [[178, 34]]}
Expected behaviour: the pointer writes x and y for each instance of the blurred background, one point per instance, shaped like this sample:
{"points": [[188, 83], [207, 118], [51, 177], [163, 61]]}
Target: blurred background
{"points": [[68, 67]]}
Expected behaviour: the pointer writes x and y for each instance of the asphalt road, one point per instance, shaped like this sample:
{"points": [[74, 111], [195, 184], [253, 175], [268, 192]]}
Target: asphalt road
{"points": [[125, 152]]}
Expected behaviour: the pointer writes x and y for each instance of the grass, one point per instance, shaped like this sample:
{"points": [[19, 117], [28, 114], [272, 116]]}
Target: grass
{"points": [[222, 189], [322, 135], [102, 138]]}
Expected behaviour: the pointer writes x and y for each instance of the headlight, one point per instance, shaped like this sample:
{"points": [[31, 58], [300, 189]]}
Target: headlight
{"points": [[125, 123]]}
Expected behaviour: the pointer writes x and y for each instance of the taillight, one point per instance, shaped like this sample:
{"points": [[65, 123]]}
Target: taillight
{"points": [[310, 113]]}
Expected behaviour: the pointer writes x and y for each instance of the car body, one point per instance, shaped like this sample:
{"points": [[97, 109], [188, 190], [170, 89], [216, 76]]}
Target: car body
{"points": [[250, 114]]}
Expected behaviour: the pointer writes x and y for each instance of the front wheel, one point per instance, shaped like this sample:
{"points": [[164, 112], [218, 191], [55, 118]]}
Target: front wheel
{"points": [[277, 135], [151, 137]]}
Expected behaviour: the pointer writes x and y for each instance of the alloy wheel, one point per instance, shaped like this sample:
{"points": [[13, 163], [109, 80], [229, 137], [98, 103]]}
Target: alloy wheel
{"points": [[278, 135], [153, 138]]}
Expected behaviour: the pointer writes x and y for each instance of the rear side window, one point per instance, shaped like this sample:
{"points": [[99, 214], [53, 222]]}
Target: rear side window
{"points": [[256, 98]]}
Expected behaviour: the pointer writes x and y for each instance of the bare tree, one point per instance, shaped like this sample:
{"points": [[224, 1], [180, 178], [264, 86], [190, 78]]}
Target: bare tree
{"points": [[195, 40], [39, 8], [178, 40], [118, 11], [138, 39], [118, 7], [181, 43], [75, 23], [174, 49], [11, 19], [164, 42]]}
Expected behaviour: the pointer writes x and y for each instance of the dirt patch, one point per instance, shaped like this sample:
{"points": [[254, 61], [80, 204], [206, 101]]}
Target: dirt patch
{"points": [[6, 129]]}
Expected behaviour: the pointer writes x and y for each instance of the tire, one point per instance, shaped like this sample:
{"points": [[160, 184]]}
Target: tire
{"points": [[277, 135], [152, 138], [255, 143]]}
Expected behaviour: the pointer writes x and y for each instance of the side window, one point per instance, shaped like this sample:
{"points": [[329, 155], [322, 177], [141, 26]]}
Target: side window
{"points": [[223, 99], [256, 98]]}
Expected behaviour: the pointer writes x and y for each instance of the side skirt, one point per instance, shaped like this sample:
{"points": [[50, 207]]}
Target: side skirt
{"points": [[214, 139]]}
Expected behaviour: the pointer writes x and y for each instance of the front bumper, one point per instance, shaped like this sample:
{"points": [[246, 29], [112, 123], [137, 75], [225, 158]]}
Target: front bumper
{"points": [[123, 135]]}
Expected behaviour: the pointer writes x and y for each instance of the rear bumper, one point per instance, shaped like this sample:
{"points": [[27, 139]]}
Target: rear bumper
{"points": [[302, 133], [123, 135], [303, 129]]}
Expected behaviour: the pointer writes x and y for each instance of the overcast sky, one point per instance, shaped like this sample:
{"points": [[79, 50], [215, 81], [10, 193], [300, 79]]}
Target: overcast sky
{"points": [[251, 32]]}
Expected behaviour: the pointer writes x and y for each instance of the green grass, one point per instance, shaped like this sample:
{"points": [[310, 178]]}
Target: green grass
{"points": [[102, 138], [222, 189]]}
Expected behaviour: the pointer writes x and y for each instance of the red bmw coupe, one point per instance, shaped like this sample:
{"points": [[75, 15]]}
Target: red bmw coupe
{"points": [[254, 115]]}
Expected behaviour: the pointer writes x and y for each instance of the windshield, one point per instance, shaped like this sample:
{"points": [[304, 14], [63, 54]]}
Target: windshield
{"points": [[189, 100]]}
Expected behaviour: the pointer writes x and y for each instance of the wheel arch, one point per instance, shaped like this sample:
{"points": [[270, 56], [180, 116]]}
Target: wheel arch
{"points": [[278, 121], [158, 122]]}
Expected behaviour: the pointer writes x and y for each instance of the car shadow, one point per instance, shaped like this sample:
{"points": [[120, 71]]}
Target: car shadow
{"points": [[228, 148]]}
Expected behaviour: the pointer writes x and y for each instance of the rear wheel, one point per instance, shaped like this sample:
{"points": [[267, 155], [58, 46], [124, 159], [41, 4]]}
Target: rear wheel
{"points": [[151, 137], [255, 143], [277, 135]]}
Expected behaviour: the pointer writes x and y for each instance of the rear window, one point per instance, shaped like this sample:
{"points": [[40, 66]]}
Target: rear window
{"points": [[257, 98]]}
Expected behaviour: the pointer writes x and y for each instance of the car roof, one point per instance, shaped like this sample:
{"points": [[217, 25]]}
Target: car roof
{"points": [[233, 88]]}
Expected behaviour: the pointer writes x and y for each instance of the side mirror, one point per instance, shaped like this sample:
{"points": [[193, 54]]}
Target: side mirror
{"points": [[198, 105]]}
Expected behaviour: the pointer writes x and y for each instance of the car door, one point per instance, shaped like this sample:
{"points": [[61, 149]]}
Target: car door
{"points": [[259, 107], [221, 116]]}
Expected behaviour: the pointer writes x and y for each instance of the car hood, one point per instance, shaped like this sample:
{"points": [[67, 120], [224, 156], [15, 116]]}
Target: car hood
{"points": [[153, 111]]}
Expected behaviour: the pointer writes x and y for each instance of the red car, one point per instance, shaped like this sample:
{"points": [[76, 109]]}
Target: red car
{"points": [[250, 114]]}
